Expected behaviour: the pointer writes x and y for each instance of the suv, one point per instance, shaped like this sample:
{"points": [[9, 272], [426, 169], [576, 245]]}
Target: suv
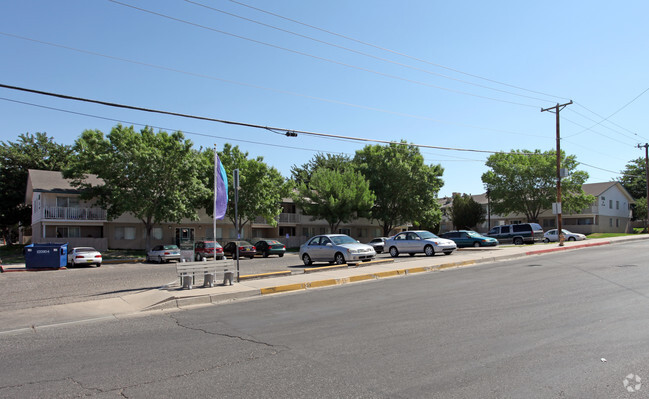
{"points": [[206, 249], [518, 234]]}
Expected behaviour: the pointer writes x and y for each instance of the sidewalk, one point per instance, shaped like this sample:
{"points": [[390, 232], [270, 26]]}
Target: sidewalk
{"points": [[172, 297]]}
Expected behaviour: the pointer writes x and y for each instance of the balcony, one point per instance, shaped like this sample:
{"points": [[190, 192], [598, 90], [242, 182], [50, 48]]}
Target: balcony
{"points": [[282, 218], [71, 214]]}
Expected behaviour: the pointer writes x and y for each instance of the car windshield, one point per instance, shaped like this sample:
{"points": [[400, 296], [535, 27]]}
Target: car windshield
{"points": [[85, 249], [342, 240], [209, 245], [474, 234], [170, 247], [273, 242], [426, 235]]}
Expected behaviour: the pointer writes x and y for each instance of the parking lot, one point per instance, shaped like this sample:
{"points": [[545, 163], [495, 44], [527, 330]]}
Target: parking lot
{"points": [[83, 283]]}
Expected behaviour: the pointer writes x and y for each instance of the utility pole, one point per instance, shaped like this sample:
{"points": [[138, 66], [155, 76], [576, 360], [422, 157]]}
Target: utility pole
{"points": [[646, 168], [557, 108]]}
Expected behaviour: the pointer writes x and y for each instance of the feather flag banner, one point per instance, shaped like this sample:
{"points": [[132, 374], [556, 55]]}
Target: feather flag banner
{"points": [[220, 188]]}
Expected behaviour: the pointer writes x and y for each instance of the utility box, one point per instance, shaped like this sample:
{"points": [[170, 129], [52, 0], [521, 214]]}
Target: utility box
{"points": [[46, 256]]}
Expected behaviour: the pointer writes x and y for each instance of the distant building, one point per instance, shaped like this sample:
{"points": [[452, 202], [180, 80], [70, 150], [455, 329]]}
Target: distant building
{"points": [[59, 215], [610, 213]]}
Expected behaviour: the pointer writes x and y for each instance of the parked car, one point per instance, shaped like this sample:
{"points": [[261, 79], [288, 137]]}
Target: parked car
{"points": [[208, 249], [378, 244], [270, 247], [246, 249], [518, 234], [469, 238], [414, 241], [84, 256], [335, 248], [163, 253], [551, 235]]}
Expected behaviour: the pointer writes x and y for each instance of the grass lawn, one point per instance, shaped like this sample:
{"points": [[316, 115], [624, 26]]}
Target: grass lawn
{"points": [[607, 235]]}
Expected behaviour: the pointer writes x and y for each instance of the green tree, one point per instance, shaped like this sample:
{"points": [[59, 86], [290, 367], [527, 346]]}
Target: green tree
{"points": [[302, 174], [261, 187], [405, 187], [525, 182], [634, 178], [335, 196], [466, 212], [16, 158], [153, 176], [640, 211]]}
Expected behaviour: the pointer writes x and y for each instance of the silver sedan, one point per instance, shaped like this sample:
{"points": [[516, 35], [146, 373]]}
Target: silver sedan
{"points": [[417, 241], [335, 248]]}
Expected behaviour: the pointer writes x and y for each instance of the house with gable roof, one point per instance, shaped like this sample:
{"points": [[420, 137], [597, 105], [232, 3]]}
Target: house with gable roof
{"points": [[609, 213]]}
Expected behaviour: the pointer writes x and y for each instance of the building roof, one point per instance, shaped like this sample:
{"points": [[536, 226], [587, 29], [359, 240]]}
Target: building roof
{"points": [[48, 181]]}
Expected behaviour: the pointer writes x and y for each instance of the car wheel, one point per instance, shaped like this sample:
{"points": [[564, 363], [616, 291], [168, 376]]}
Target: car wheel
{"points": [[252, 257], [307, 260], [98, 264], [572, 239], [546, 240], [266, 254], [476, 244], [518, 241], [394, 252], [448, 252], [429, 250], [281, 255], [159, 259], [411, 254], [339, 258]]}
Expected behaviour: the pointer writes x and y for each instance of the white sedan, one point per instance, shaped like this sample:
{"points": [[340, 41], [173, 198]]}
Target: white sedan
{"points": [[414, 241], [551, 236], [84, 256]]}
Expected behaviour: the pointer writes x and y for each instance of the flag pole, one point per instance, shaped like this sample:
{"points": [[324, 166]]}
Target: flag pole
{"points": [[214, 212]]}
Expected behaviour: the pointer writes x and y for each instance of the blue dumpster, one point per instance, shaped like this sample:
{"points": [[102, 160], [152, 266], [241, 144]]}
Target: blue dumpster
{"points": [[46, 256]]}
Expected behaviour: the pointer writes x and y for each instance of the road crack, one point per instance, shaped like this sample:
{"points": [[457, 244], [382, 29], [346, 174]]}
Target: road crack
{"points": [[179, 324]]}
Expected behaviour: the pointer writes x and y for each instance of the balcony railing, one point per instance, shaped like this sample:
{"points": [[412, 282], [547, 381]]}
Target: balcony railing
{"points": [[282, 218], [67, 213]]}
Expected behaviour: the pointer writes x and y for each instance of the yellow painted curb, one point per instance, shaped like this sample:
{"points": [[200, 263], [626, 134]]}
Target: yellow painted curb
{"points": [[418, 270], [283, 288], [456, 264], [390, 273], [361, 278], [271, 274], [322, 283]]}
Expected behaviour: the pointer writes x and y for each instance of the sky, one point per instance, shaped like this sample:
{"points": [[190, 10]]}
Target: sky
{"points": [[462, 79]]}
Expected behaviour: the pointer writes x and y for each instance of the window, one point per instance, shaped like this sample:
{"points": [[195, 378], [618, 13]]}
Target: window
{"points": [[305, 231], [610, 222], [67, 232], [156, 233], [610, 204], [125, 233], [617, 204], [617, 222], [604, 201], [344, 230], [322, 230], [362, 232], [67, 202]]}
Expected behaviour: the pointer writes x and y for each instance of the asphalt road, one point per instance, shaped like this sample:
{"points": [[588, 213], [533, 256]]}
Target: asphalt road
{"points": [[567, 325]]}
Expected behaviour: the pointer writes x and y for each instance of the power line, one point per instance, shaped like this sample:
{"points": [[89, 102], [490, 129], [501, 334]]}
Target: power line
{"points": [[321, 58], [393, 51], [360, 52], [242, 124], [165, 128]]}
